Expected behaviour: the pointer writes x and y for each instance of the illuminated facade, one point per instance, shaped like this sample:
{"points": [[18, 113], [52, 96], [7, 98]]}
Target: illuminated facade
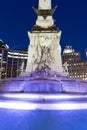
{"points": [[12, 63], [77, 68]]}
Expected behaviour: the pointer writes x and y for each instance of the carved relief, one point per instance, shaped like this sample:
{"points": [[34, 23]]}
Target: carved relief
{"points": [[44, 55], [44, 52]]}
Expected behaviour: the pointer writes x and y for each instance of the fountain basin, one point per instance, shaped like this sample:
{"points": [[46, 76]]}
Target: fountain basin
{"points": [[43, 85]]}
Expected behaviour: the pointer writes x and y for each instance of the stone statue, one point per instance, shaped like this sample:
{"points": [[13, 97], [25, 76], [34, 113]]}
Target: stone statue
{"points": [[65, 67], [44, 52]]}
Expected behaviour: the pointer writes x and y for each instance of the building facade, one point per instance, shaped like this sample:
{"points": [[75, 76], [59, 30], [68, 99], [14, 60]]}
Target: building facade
{"points": [[12, 63], [76, 67]]}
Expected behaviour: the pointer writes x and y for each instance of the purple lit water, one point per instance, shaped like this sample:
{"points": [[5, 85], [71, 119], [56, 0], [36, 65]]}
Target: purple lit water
{"points": [[43, 120]]}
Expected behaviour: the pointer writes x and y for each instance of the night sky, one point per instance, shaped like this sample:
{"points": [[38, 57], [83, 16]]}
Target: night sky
{"points": [[17, 18]]}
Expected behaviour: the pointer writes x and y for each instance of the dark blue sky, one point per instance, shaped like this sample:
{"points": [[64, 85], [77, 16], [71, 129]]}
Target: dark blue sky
{"points": [[17, 17]]}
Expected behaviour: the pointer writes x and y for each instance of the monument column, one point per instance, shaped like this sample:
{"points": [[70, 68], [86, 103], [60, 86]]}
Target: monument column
{"points": [[44, 4], [44, 52]]}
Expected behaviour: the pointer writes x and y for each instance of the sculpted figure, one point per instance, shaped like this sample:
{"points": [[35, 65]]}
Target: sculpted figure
{"points": [[44, 51]]}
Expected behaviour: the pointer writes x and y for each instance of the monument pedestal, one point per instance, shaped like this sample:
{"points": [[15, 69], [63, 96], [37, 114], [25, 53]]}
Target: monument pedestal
{"points": [[44, 53]]}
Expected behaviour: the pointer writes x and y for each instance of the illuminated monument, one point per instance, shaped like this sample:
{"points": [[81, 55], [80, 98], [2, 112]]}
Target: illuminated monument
{"points": [[44, 57], [44, 72]]}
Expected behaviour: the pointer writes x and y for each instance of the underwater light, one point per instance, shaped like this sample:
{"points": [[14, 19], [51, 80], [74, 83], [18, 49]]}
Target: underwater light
{"points": [[44, 96], [42, 106]]}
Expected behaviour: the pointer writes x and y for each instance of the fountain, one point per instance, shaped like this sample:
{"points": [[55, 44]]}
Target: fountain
{"points": [[45, 83], [44, 86], [44, 72]]}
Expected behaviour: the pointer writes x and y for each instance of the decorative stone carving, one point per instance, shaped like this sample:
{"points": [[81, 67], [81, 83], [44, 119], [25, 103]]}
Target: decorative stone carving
{"points": [[52, 28], [65, 68], [45, 12], [44, 52]]}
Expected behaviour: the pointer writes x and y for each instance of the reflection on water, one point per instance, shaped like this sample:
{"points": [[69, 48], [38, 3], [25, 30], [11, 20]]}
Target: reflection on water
{"points": [[43, 120]]}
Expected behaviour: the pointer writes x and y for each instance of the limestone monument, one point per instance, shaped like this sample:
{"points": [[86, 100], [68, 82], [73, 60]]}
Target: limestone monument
{"points": [[44, 71], [44, 52]]}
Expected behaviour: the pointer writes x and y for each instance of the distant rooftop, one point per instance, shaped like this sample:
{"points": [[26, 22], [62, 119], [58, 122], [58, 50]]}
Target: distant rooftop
{"points": [[68, 49], [3, 45]]}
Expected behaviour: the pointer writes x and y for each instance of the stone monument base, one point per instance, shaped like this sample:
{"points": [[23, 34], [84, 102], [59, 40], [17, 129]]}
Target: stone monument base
{"points": [[43, 84]]}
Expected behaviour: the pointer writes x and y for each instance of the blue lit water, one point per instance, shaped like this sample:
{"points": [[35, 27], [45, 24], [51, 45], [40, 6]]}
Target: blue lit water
{"points": [[43, 120]]}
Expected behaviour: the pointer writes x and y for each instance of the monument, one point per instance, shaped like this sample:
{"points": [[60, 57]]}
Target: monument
{"points": [[44, 72], [44, 53]]}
